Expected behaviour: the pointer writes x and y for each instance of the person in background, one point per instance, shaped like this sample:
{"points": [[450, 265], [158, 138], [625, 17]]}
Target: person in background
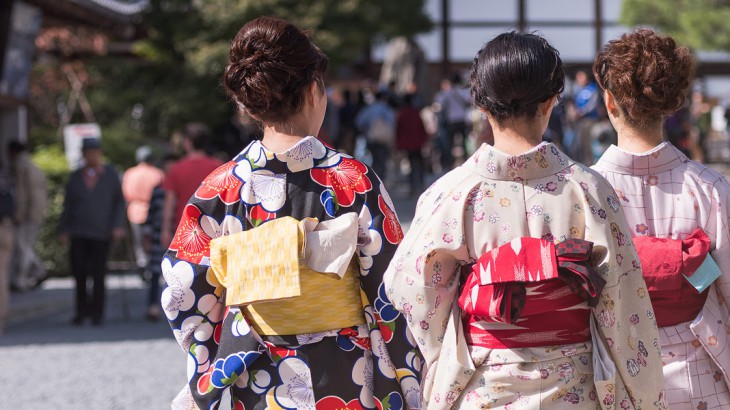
{"points": [[377, 122], [185, 177], [454, 103], [410, 137], [677, 211], [31, 198], [151, 231], [137, 185], [254, 320], [93, 216], [586, 100], [348, 131], [7, 241], [518, 277]]}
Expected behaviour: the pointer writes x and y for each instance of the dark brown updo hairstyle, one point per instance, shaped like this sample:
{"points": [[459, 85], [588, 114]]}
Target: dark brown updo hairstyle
{"points": [[270, 67], [515, 72], [648, 74]]}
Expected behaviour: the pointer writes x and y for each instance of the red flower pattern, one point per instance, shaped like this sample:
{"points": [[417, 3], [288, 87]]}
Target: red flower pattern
{"points": [[391, 227], [336, 403], [221, 183], [259, 215], [190, 241], [346, 178]]}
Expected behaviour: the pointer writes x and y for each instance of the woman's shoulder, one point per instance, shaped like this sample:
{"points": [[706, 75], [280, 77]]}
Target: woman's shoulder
{"points": [[705, 175]]}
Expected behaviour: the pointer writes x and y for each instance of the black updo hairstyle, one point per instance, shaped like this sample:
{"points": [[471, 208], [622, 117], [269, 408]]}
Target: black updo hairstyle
{"points": [[270, 66], [515, 72]]}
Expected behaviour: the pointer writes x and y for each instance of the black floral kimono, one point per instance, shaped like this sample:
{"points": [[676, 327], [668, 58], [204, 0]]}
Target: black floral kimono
{"points": [[369, 366]]}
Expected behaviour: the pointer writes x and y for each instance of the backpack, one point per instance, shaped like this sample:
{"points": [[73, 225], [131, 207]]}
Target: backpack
{"points": [[381, 132], [7, 196]]}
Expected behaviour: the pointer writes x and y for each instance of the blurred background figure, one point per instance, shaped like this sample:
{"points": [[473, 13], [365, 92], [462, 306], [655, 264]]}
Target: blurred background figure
{"points": [[152, 229], [410, 136], [377, 122], [454, 103], [137, 185], [31, 197], [585, 100], [348, 131], [185, 176], [7, 241], [93, 216]]}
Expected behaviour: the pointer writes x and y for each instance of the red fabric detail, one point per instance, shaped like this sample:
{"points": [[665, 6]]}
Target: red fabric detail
{"points": [[552, 315], [516, 295], [663, 262], [575, 270]]}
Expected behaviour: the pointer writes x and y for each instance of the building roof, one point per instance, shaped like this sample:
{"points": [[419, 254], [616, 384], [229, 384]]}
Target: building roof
{"points": [[98, 13]]}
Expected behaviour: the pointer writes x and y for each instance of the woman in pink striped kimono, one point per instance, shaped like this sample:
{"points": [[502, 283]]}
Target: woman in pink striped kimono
{"points": [[677, 213]]}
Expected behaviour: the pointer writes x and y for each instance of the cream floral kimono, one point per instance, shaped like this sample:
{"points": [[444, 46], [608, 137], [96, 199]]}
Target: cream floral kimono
{"points": [[490, 200], [666, 195]]}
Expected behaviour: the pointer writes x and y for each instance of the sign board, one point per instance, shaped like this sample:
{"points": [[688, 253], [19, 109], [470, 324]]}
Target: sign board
{"points": [[73, 135]]}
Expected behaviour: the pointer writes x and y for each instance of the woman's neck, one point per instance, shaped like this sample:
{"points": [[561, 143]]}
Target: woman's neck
{"points": [[517, 137], [281, 137], [278, 142], [639, 140]]}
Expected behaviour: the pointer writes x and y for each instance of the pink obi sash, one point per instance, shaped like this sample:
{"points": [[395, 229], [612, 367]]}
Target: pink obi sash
{"points": [[530, 292], [665, 263]]}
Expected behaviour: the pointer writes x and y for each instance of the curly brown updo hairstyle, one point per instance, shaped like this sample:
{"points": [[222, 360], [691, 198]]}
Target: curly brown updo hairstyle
{"points": [[270, 67], [515, 72], [648, 74]]}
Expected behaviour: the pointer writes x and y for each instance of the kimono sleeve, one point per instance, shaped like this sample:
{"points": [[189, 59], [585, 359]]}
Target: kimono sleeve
{"points": [[422, 280], [194, 303], [718, 229], [624, 316], [392, 343]]}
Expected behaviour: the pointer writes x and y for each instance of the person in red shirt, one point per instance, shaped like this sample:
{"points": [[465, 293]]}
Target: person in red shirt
{"points": [[185, 177], [410, 136]]}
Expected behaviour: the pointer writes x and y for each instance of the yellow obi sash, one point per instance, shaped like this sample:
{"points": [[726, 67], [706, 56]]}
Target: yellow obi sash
{"points": [[266, 271]]}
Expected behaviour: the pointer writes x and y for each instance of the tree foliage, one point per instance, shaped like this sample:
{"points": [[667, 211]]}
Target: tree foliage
{"points": [[186, 43], [173, 73], [700, 24]]}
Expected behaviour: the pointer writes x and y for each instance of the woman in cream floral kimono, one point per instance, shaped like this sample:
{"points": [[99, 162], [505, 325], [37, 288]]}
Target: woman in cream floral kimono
{"points": [[677, 213], [518, 277]]}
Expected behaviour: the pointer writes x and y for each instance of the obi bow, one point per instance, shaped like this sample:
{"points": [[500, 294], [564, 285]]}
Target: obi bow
{"points": [[495, 287], [266, 263], [666, 263]]}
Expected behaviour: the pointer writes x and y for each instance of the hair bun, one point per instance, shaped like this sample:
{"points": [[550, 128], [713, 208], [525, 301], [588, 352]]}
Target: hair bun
{"points": [[271, 63], [648, 74]]}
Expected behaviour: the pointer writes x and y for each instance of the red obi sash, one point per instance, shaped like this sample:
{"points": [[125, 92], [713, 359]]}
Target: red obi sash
{"points": [[530, 292], [663, 262]]}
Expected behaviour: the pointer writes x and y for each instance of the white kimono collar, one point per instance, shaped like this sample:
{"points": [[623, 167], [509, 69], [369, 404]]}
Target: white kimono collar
{"points": [[663, 157], [303, 155], [543, 160]]}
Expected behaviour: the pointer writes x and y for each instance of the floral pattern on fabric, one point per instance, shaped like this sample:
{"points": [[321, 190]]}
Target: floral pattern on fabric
{"points": [[487, 202], [377, 364], [666, 195]]}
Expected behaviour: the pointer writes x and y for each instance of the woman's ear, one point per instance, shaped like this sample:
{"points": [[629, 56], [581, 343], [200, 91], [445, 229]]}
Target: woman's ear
{"points": [[611, 106], [548, 105], [313, 92]]}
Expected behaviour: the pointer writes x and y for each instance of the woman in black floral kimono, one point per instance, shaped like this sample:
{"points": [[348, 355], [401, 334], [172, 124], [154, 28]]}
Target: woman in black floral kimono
{"points": [[275, 271]]}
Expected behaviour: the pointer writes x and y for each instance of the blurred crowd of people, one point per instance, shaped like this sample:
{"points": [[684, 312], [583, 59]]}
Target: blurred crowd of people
{"points": [[405, 136]]}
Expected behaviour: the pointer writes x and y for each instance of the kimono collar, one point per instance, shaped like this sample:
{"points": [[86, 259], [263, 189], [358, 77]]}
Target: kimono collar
{"points": [[541, 161], [663, 157], [303, 155]]}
